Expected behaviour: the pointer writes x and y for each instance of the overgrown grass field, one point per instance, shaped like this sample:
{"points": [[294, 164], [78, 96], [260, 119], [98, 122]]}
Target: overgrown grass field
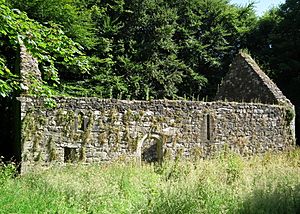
{"points": [[225, 184]]}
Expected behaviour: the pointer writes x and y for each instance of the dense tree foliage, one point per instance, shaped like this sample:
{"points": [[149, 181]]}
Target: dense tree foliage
{"points": [[53, 49], [275, 42], [210, 33], [147, 48], [72, 15], [166, 48], [142, 49]]}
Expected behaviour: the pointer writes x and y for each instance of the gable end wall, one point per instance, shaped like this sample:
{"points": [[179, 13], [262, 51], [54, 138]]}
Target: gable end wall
{"points": [[246, 82]]}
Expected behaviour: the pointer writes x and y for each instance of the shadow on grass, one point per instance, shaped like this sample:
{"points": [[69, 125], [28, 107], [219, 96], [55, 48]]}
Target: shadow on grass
{"points": [[283, 199]]}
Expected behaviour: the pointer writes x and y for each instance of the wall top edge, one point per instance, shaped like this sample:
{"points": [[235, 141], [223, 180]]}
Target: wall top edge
{"points": [[61, 99]]}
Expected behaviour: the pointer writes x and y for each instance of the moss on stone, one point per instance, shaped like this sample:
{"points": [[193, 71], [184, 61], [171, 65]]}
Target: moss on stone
{"points": [[102, 138], [126, 136], [133, 144], [87, 134], [179, 154], [113, 115], [289, 115], [82, 153], [36, 141], [68, 124], [38, 156], [28, 126], [51, 147], [127, 116], [168, 154], [60, 117], [196, 153], [137, 117]]}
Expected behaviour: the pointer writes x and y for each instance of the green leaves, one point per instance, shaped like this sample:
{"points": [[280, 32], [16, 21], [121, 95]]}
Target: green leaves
{"points": [[74, 18], [8, 81], [137, 49], [163, 49], [275, 43], [53, 49]]}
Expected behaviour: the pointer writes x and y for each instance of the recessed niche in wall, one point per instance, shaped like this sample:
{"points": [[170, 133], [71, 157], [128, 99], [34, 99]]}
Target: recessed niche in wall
{"points": [[69, 155], [208, 124], [81, 122]]}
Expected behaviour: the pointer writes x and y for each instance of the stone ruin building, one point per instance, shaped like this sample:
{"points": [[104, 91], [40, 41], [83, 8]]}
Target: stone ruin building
{"points": [[250, 116]]}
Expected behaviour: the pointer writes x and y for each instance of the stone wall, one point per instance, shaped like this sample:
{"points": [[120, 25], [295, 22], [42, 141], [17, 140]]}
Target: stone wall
{"points": [[246, 82], [29, 69], [92, 130], [95, 130]]}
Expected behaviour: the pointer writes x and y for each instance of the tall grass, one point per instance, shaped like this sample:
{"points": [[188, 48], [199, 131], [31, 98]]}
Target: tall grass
{"points": [[226, 184]]}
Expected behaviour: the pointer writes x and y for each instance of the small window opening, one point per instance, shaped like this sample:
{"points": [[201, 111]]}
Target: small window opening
{"points": [[208, 127], [80, 122], [69, 155], [85, 123]]}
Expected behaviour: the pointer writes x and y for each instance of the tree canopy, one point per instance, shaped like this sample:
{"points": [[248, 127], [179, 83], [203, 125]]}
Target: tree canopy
{"points": [[49, 44], [275, 42], [145, 48]]}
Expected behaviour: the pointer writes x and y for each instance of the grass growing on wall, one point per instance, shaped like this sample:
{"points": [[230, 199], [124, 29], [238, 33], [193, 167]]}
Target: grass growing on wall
{"points": [[227, 184]]}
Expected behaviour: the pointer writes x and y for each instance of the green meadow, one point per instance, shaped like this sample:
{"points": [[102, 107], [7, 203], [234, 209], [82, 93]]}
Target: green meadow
{"points": [[268, 183]]}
